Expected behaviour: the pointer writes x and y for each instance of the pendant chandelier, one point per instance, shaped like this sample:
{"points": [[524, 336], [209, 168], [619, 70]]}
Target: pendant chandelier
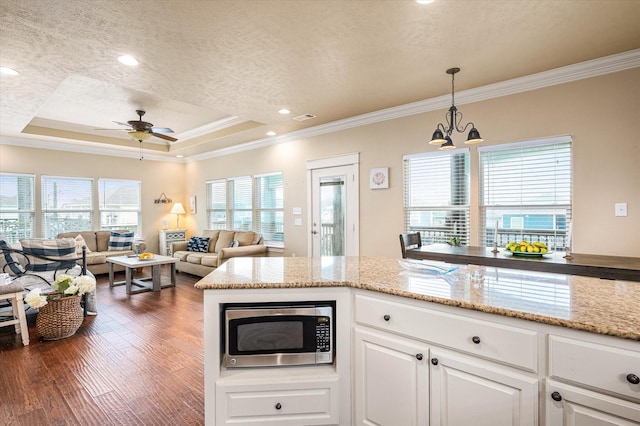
{"points": [[442, 135]]}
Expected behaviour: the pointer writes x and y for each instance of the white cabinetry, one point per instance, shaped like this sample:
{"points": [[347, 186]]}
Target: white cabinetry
{"points": [[391, 379], [283, 396], [403, 373], [168, 236], [466, 390], [601, 384]]}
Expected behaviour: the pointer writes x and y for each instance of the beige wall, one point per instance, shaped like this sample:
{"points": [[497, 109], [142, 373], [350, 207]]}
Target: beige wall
{"points": [[601, 114], [156, 177]]}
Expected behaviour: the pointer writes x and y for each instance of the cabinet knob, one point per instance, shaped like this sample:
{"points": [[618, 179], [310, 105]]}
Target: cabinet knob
{"points": [[278, 406], [633, 379], [476, 340], [386, 317], [419, 357], [434, 361], [556, 396]]}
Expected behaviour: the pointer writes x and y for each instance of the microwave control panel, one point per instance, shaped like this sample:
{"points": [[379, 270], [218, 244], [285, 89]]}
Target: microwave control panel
{"points": [[323, 334]]}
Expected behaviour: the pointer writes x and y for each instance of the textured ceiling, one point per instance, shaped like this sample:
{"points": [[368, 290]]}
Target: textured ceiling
{"points": [[216, 72]]}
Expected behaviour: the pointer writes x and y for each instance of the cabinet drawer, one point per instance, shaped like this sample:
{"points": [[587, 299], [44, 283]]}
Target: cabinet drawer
{"points": [[598, 366], [506, 344], [289, 405]]}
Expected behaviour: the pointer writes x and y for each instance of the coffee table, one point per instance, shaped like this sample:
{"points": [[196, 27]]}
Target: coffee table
{"points": [[132, 263]]}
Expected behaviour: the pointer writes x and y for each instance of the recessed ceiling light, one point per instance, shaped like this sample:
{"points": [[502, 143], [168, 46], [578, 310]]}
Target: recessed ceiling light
{"points": [[8, 71], [179, 156], [128, 60], [271, 133], [284, 111], [424, 1]]}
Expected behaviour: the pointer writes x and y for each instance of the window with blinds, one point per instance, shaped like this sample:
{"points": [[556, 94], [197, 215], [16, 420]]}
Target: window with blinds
{"points": [[217, 204], [269, 207], [241, 203], [67, 205], [526, 192], [248, 203], [120, 204], [17, 206], [436, 196]]}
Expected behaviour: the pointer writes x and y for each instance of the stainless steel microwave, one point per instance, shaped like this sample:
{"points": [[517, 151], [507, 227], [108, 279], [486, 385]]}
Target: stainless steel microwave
{"points": [[278, 334]]}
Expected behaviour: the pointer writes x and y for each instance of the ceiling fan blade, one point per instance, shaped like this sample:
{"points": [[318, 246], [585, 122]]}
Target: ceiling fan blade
{"points": [[122, 124], [165, 137], [113, 129], [161, 130]]}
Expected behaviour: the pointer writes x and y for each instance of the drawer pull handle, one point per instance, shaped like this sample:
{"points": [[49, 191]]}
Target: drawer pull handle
{"points": [[476, 340], [434, 361], [419, 357], [278, 406], [633, 379], [556, 396], [386, 317]]}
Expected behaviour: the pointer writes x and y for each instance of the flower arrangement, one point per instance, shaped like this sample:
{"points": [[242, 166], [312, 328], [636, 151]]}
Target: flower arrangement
{"points": [[64, 286]]}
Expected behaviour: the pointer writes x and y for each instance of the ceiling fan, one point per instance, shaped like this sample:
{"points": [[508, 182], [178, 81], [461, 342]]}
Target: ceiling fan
{"points": [[142, 130]]}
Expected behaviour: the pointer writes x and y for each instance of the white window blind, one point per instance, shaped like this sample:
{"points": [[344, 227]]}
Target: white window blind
{"points": [[120, 204], [241, 203], [436, 196], [67, 205], [217, 203], [17, 206], [526, 188], [269, 207]]}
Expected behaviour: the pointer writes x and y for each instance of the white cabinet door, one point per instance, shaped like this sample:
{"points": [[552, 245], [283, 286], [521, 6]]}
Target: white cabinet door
{"points": [[391, 380], [469, 391], [572, 406]]}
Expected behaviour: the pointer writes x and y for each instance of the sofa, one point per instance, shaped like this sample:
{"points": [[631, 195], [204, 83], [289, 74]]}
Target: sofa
{"points": [[97, 243], [34, 263], [201, 255]]}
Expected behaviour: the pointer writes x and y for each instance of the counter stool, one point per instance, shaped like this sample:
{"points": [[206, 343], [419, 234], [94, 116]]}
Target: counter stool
{"points": [[13, 293]]}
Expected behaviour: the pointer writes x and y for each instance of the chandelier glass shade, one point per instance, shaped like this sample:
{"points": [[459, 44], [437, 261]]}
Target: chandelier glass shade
{"points": [[139, 135], [442, 135]]}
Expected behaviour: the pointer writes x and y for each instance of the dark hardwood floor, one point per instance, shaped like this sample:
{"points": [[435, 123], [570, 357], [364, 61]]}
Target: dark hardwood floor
{"points": [[138, 362]]}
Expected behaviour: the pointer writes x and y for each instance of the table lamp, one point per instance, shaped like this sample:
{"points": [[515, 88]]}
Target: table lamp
{"points": [[177, 209]]}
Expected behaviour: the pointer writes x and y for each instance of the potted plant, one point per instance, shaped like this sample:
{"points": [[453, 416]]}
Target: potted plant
{"points": [[59, 312]]}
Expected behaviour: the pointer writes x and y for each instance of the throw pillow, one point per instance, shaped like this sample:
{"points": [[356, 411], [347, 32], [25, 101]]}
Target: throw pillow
{"points": [[10, 260], [119, 241], [199, 244], [60, 253], [234, 243], [80, 242]]}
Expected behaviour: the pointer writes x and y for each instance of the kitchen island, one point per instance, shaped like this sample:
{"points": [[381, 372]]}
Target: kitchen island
{"points": [[556, 341]]}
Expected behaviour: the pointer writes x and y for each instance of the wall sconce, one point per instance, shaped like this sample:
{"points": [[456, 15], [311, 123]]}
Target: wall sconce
{"points": [[162, 200], [177, 209]]}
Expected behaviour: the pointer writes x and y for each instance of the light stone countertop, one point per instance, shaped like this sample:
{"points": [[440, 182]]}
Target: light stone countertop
{"points": [[583, 303]]}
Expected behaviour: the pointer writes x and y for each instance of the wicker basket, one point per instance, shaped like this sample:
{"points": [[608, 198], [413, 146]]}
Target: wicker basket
{"points": [[59, 318]]}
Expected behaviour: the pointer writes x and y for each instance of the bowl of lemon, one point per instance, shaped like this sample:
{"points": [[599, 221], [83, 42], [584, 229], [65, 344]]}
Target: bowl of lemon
{"points": [[527, 249], [145, 256]]}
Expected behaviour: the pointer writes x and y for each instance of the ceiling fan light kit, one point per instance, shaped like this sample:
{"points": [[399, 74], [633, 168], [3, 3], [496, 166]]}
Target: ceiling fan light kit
{"points": [[442, 135]]}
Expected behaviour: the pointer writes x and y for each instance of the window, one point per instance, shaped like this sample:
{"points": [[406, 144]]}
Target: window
{"points": [[67, 205], [17, 206], [241, 203], [248, 203], [436, 195], [217, 204], [269, 207], [526, 189], [120, 205]]}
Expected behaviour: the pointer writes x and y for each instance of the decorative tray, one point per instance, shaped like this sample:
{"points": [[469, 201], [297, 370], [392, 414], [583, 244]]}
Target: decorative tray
{"points": [[527, 254], [424, 267]]}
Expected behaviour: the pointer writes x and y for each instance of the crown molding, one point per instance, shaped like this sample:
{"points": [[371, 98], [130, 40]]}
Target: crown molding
{"points": [[593, 68], [566, 74]]}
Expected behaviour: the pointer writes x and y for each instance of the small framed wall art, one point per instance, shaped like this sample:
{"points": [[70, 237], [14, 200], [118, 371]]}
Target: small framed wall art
{"points": [[379, 178], [193, 204]]}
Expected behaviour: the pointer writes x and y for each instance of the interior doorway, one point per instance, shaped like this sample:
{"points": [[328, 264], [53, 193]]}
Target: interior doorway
{"points": [[334, 206]]}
